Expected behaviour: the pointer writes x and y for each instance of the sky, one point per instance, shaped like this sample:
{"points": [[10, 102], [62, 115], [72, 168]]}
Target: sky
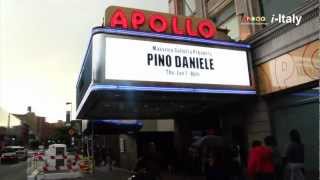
{"points": [[43, 43]]}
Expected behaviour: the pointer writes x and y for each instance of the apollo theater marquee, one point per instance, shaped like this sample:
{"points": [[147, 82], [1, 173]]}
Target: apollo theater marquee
{"points": [[143, 64]]}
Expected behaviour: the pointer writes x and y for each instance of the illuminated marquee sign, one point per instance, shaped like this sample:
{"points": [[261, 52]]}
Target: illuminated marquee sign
{"points": [[119, 17], [149, 61]]}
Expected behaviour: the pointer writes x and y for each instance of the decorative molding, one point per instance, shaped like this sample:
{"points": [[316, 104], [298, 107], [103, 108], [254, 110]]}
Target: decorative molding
{"points": [[298, 67], [285, 49]]}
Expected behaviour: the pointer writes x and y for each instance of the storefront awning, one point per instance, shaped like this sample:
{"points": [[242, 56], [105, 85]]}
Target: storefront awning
{"points": [[113, 126]]}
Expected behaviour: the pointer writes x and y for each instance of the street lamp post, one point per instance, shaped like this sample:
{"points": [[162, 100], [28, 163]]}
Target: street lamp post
{"points": [[68, 114], [68, 123]]}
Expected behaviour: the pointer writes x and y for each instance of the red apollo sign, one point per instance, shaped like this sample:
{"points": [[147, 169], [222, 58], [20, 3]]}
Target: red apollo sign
{"points": [[126, 18]]}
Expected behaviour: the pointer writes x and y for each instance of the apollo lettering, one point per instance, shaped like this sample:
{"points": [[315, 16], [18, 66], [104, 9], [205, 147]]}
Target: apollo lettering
{"points": [[160, 24]]}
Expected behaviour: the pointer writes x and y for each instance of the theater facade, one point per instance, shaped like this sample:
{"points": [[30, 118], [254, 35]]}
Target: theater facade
{"points": [[189, 68]]}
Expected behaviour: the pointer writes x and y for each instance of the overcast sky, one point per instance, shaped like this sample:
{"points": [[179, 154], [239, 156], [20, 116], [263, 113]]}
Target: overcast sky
{"points": [[42, 45]]}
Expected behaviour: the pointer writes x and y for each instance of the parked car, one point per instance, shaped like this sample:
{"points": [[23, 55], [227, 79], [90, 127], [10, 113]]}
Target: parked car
{"points": [[22, 153], [9, 155]]}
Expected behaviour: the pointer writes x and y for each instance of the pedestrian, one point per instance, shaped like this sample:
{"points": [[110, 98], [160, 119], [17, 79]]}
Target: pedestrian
{"points": [[294, 157], [192, 162], [196, 162], [260, 164], [234, 166], [215, 165], [109, 158], [97, 155], [148, 166], [172, 161], [276, 157], [251, 167], [103, 155]]}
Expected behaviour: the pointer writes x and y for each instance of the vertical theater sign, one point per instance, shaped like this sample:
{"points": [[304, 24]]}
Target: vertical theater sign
{"points": [[141, 56]]}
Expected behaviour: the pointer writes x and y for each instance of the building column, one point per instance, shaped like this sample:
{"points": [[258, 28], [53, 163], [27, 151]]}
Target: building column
{"points": [[258, 121], [176, 7], [182, 138]]}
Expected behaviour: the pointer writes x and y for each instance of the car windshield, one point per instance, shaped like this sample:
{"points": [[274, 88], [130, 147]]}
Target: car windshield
{"points": [[8, 150]]}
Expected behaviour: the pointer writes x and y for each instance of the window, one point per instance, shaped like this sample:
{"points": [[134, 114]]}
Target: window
{"points": [[227, 19], [270, 7], [189, 7], [232, 24], [172, 7]]}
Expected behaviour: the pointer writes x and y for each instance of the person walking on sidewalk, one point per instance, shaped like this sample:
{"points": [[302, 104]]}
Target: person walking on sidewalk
{"points": [[148, 166], [97, 155], [295, 157], [260, 164], [276, 157], [214, 167], [104, 155], [109, 158]]}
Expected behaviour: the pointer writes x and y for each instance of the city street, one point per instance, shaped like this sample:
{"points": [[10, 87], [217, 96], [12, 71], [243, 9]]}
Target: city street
{"points": [[15, 171]]}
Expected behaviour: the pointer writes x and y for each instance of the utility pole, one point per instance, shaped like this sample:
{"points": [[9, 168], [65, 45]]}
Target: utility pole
{"points": [[8, 131], [8, 122]]}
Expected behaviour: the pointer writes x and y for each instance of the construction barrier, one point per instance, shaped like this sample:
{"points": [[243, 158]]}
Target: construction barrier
{"points": [[56, 163], [61, 163], [86, 165]]}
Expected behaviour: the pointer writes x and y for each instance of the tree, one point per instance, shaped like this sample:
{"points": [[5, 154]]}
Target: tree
{"points": [[61, 136]]}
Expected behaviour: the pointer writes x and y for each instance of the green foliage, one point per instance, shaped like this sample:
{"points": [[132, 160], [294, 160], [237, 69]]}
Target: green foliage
{"points": [[61, 136]]}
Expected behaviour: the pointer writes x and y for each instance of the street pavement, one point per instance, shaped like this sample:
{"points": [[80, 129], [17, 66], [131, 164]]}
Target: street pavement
{"points": [[18, 172], [15, 171]]}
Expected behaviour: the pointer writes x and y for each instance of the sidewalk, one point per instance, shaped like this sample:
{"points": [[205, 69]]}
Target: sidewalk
{"points": [[177, 177], [102, 173]]}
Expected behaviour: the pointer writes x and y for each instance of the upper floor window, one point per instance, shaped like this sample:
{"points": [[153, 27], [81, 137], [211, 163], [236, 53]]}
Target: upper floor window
{"points": [[227, 19], [275, 7], [189, 7], [172, 7]]}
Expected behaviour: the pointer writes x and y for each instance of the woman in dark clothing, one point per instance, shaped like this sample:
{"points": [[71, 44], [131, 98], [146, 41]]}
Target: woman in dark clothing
{"points": [[295, 157]]}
